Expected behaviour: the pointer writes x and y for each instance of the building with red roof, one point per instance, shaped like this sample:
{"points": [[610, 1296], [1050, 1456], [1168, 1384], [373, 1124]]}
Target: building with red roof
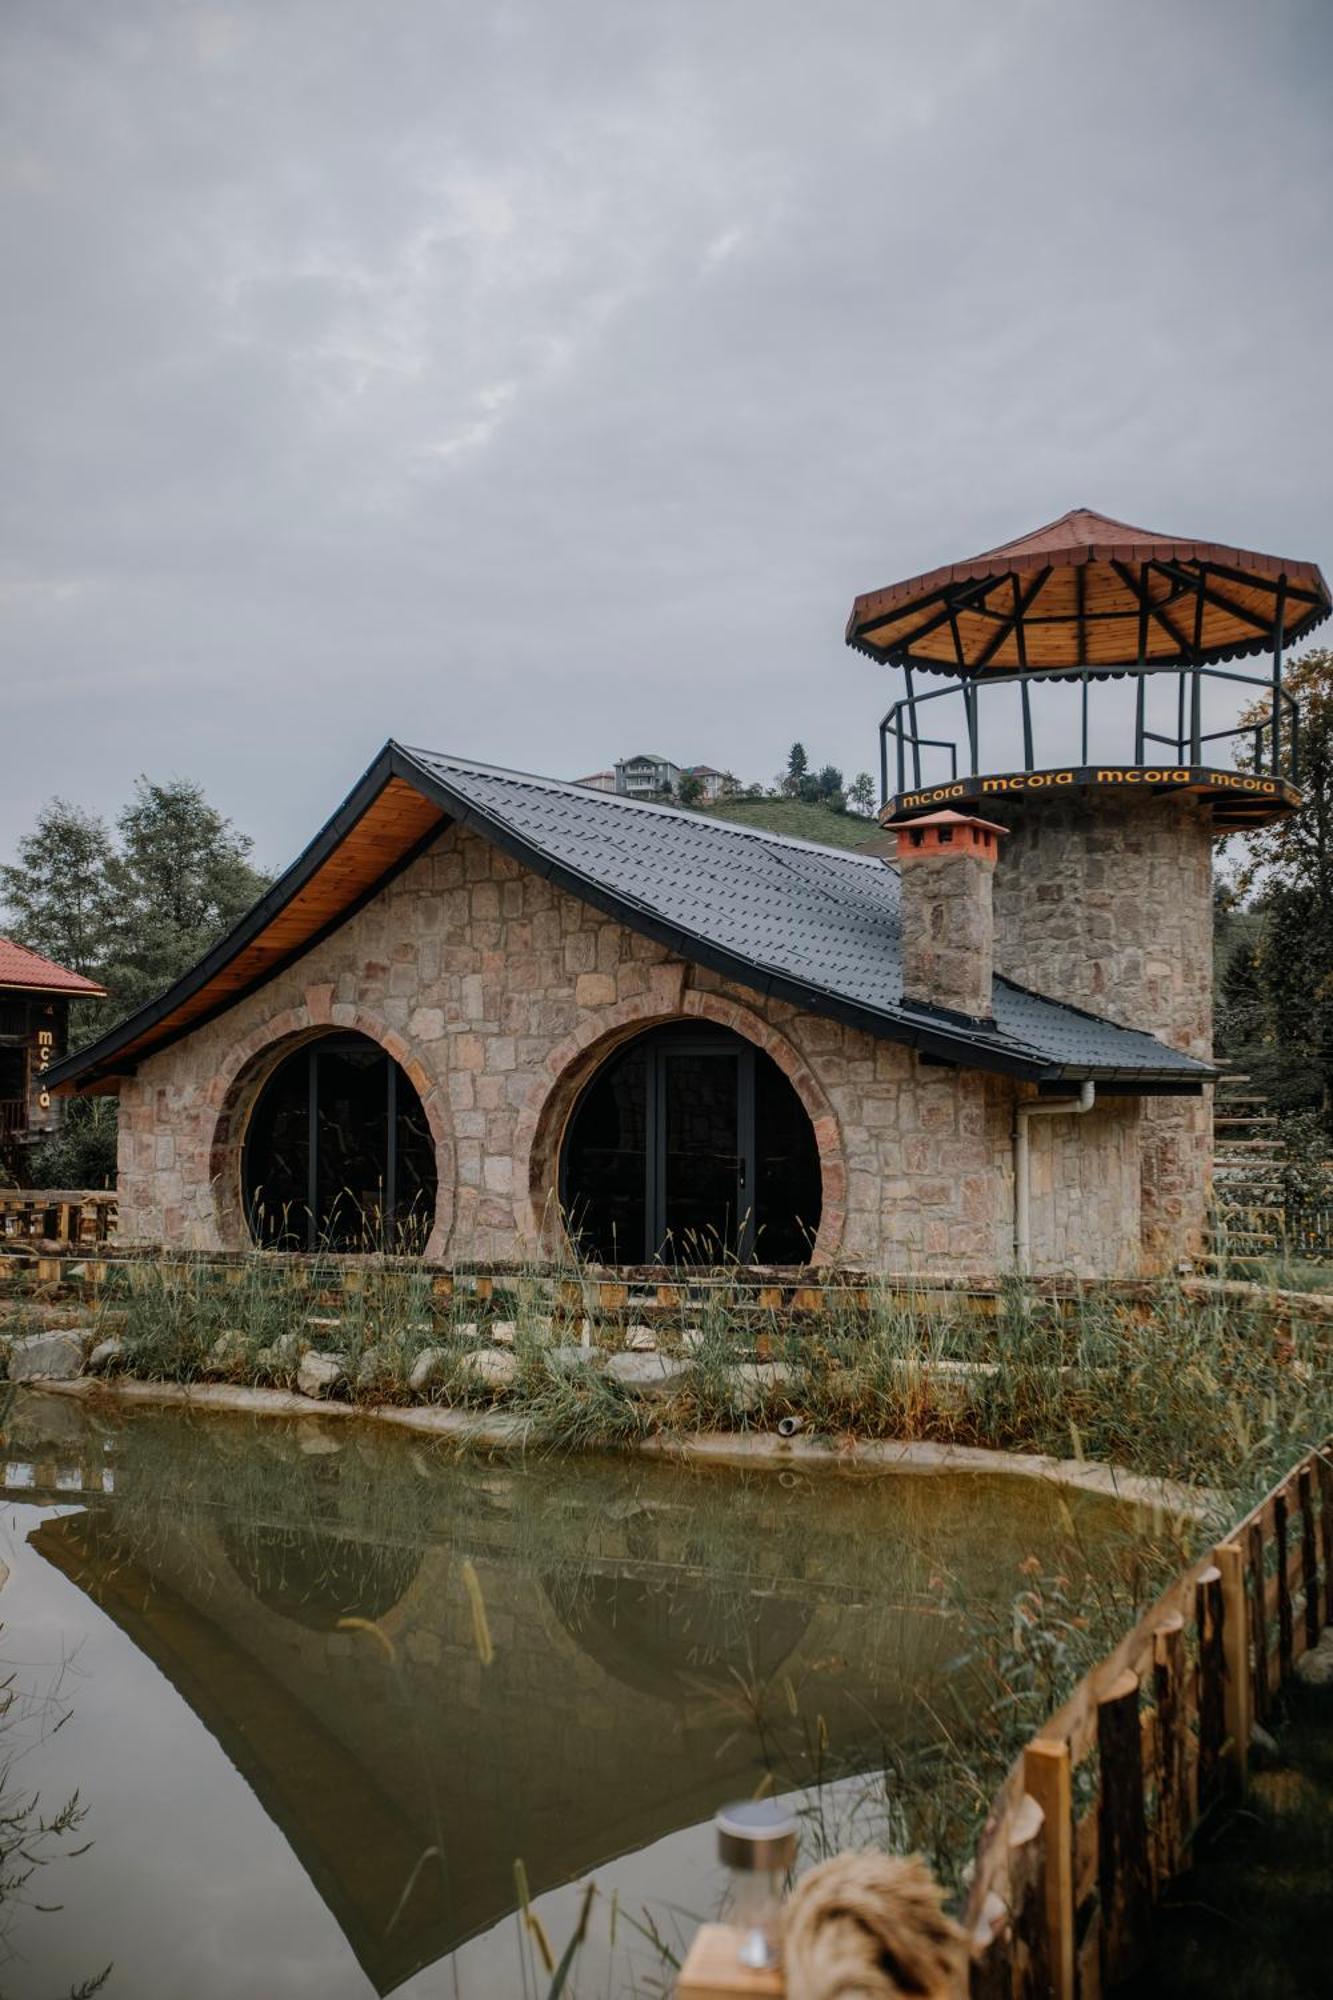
{"points": [[35, 994]]}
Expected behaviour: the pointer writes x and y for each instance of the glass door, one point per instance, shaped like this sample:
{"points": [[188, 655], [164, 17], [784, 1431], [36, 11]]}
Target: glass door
{"points": [[705, 1123]]}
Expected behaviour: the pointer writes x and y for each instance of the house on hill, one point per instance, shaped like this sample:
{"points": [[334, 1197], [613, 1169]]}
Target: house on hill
{"points": [[495, 1016], [34, 1034]]}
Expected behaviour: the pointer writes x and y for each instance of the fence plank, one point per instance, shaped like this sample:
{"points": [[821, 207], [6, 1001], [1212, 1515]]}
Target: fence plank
{"points": [[1212, 1682], [1047, 1774], [1171, 1774], [1236, 1649], [1284, 1635], [1027, 1890], [1324, 1470], [1259, 1621], [1309, 1556], [1124, 1879]]}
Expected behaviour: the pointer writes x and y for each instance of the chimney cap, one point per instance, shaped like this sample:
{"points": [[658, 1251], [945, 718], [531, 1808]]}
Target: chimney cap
{"points": [[945, 817]]}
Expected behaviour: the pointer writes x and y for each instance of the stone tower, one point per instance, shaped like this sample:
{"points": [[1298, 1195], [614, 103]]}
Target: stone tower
{"points": [[1103, 894]]}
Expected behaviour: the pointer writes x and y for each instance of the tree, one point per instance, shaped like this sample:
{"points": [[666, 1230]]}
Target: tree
{"points": [[1277, 984], [181, 879], [861, 794], [797, 767], [690, 789], [828, 785], [57, 890]]}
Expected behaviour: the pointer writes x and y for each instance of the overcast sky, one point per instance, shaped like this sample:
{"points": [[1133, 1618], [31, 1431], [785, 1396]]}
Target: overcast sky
{"points": [[541, 381]]}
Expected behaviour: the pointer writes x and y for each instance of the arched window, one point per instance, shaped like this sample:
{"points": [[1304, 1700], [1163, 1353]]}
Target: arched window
{"points": [[338, 1154], [689, 1146]]}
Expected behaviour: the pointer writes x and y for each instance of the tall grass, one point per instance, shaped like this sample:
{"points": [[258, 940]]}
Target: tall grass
{"points": [[1217, 1391]]}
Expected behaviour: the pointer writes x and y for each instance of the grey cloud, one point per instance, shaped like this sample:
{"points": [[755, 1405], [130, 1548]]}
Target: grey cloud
{"points": [[541, 381]]}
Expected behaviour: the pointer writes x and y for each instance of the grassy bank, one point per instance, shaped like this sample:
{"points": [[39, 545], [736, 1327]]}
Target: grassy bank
{"points": [[1215, 1391]]}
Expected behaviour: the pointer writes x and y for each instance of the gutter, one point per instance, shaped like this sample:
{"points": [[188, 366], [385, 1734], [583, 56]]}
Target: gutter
{"points": [[1060, 1107]]}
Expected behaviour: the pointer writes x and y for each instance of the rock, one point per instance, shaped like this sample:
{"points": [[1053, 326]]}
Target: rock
{"points": [[751, 1382], [648, 1374], [489, 1367], [283, 1357], [107, 1356], [640, 1340], [320, 1374], [378, 1365], [431, 1365], [566, 1360], [48, 1357], [229, 1354], [1315, 1668], [502, 1333], [691, 1340]]}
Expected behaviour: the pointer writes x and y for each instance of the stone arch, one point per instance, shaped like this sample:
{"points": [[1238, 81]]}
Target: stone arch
{"points": [[545, 1113], [250, 1062]]}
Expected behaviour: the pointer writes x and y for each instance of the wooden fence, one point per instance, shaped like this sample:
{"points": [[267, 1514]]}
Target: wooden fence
{"points": [[1097, 1816], [71, 1217]]}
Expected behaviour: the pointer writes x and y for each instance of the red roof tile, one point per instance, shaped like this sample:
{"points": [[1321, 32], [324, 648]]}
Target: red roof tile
{"points": [[21, 967]]}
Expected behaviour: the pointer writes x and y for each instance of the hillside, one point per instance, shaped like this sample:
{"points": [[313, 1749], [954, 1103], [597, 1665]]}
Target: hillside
{"points": [[796, 817]]}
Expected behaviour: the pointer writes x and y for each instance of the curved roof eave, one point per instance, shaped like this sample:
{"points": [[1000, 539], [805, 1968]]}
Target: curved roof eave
{"points": [[944, 1038]]}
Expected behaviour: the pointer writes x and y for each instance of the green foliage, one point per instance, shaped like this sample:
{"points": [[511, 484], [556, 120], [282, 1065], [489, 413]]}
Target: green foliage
{"points": [[797, 818], [181, 878], [81, 1153], [134, 912], [690, 789], [861, 793], [1276, 982]]}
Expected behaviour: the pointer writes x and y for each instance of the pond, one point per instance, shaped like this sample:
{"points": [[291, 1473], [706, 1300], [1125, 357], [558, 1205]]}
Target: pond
{"points": [[330, 1694]]}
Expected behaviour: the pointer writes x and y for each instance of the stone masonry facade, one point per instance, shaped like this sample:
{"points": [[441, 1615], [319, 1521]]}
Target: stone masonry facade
{"points": [[1106, 900], [499, 995]]}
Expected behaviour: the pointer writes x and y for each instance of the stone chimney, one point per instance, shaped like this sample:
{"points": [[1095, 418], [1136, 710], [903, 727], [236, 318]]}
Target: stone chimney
{"points": [[946, 861]]}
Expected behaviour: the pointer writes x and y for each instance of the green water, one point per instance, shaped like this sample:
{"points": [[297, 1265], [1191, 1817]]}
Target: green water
{"points": [[324, 1686]]}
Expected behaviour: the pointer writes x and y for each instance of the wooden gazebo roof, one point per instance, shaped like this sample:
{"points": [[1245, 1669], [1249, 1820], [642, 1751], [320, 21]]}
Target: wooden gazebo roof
{"points": [[1086, 592]]}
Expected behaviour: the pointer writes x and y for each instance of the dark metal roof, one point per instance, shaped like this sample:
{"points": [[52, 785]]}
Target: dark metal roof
{"points": [[818, 926]]}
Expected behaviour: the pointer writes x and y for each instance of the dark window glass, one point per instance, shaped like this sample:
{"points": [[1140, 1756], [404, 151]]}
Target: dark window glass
{"points": [[701, 1193], [606, 1163], [339, 1154], [691, 1147]]}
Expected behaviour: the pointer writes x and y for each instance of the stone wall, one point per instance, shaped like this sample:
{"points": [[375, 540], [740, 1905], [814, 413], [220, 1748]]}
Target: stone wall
{"points": [[499, 994], [1107, 900]]}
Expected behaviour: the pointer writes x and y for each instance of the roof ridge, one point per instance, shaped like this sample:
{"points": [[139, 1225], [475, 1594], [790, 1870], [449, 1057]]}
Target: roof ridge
{"points": [[765, 835]]}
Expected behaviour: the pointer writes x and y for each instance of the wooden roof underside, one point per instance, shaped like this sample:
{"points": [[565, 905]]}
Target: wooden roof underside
{"points": [[1090, 593], [379, 839]]}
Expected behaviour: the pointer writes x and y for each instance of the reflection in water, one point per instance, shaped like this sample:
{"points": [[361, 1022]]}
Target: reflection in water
{"points": [[661, 1639]]}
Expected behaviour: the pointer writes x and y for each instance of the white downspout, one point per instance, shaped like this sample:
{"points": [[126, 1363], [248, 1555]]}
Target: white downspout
{"points": [[1037, 1107]]}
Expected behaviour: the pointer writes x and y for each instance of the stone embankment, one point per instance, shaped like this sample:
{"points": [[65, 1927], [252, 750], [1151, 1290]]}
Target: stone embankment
{"points": [[75, 1361]]}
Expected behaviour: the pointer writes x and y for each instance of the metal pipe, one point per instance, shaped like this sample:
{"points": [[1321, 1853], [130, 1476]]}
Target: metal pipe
{"points": [[1038, 1107]]}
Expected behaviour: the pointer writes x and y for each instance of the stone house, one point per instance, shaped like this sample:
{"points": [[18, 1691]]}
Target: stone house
{"points": [[491, 1012], [499, 1017]]}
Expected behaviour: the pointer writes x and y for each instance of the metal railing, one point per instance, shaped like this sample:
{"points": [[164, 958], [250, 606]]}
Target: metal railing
{"points": [[1274, 736]]}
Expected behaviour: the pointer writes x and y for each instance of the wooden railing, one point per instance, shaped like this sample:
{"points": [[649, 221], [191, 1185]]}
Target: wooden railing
{"points": [[1097, 1816], [70, 1217]]}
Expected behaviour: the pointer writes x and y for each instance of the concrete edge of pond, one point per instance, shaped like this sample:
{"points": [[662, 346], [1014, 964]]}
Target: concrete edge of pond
{"points": [[735, 1448]]}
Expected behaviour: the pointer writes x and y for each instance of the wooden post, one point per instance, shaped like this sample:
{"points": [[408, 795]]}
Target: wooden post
{"points": [[1309, 1557], [1171, 1745], [713, 1971], [1325, 1474], [1259, 1620], [1236, 1649], [1031, 1977], [1212, 1682], [1124, 1880], [1048, 1778], [1284, 1645]]}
